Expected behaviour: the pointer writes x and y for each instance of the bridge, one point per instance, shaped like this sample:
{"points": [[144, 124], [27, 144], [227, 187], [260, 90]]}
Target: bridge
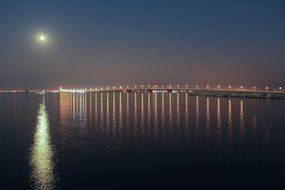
{"points": [[134, 88], [209, 91], [177, 89]]}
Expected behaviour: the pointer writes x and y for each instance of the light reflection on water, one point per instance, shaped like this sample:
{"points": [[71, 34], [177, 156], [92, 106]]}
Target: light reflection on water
{"points": [[42, 153], [208, 116], [230, 121], [137, 134], [150, 117]]}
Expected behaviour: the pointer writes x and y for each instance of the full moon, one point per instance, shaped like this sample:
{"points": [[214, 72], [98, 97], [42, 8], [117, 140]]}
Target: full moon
{"points": [[42, 38]]}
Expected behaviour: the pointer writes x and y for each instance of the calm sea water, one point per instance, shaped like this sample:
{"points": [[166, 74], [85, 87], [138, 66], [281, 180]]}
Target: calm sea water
{"points": [[140, 140]]}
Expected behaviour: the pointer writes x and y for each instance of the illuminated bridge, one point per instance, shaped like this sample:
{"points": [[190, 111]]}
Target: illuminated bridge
{"points": [[135, 88], [218, 91]]}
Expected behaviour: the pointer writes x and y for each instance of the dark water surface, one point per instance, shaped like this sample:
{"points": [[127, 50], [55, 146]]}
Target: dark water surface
{"points": [[140, 140]]}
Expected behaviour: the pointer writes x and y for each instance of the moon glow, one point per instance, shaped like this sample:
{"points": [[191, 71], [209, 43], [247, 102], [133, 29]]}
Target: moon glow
{"points": [[42, 38]]}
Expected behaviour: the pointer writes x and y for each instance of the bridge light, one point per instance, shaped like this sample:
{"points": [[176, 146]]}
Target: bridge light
{"points": [[148, 86], [101, 88], [254, 88], [142, 86], [280, 88], [230, 87], [155, 85], [267, 88], [135, 86], [241, 87], [208, 86], [114, 87], [219, 86], [170, 85], [197, 86], [107, 87], [186, 85], [120, 87], [127, 86], [162, 86]]}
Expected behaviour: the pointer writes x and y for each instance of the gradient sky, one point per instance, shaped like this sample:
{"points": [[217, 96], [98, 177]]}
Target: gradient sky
{"points": [[105, 42]]}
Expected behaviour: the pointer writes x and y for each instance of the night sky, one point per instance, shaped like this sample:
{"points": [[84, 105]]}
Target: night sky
{"points": [[110, 42]]}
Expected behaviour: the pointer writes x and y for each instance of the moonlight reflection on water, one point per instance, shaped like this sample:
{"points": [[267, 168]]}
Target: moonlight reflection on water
{"points": [[42, 153]]}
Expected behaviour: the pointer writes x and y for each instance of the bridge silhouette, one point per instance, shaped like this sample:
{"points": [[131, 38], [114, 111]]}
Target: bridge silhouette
{"points": [[135, 88], [175, 89]]}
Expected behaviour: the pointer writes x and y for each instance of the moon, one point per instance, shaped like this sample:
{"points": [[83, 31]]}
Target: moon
{"points": [[42, 38]]}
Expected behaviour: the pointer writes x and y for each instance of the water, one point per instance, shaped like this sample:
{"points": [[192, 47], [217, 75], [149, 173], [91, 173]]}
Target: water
{"points": [[140, 140]]}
